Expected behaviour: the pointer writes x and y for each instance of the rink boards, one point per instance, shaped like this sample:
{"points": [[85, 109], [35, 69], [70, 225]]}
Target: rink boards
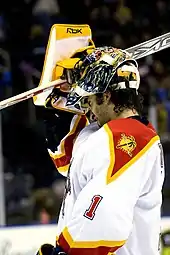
{"points": [[25, 240]]}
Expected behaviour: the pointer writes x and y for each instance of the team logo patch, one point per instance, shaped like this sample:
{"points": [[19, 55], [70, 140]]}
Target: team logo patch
{"points": [[127, 144]]}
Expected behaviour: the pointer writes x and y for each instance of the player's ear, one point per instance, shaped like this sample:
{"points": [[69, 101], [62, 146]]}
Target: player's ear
{"points": [[107, 96]]}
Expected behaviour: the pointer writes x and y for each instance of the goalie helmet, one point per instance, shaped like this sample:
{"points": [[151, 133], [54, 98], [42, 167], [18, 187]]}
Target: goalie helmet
{"points": [[106, 67]]}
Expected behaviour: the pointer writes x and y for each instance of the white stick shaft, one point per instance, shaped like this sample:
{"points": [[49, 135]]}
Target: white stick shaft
{"points": [[28, 94]]}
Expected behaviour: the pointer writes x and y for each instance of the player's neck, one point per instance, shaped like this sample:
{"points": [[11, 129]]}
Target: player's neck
{"points": [[111, 115], [127, 113]]}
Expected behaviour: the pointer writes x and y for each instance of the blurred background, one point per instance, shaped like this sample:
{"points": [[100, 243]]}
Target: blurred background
{"points": [[32, 187]]}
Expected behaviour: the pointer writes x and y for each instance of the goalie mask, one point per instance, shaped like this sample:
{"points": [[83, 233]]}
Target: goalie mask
{"points": [[106, 67]]}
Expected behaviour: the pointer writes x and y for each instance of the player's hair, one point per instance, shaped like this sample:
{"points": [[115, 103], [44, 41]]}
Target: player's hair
{"points": [[124, 99]]}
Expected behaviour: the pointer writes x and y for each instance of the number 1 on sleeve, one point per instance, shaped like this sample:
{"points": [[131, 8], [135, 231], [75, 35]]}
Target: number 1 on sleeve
{"points": [[90, 212]]}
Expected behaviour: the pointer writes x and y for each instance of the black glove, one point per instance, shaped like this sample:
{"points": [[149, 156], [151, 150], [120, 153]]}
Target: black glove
{"points": [[56, 126], [48, 249]]}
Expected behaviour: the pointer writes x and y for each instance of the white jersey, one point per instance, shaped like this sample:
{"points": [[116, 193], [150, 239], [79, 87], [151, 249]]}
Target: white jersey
{"points": [[83, 136], [63, 154], [113, 193]]}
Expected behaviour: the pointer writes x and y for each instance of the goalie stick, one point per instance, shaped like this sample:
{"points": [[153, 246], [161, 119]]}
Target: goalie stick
{"points": [[150, 47], [139, 51]]}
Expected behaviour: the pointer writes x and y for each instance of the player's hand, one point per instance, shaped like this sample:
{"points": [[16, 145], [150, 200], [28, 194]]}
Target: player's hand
{"points": [[56, 127], [48, 249], [56, 99]]}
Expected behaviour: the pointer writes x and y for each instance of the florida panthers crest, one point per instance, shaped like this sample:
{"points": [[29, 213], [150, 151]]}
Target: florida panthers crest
{"points": [[127, 144]]}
